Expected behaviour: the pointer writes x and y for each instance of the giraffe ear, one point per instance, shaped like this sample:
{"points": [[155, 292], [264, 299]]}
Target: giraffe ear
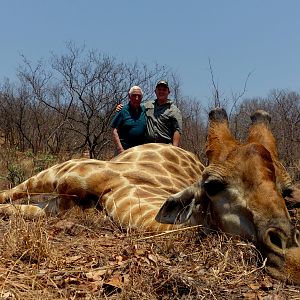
{"points": [[176, 211]]}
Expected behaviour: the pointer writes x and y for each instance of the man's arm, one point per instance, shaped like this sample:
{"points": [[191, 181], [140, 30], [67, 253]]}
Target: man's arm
{"points": [[177, 126], [117, 141], [176, 138]]}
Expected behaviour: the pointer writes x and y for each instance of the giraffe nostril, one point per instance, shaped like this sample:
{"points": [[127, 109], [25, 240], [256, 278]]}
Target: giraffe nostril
{"points": [[275, 239]]}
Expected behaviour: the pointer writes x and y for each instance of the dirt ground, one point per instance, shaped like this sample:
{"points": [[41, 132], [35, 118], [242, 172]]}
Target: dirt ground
{"points": [[83, 255]]}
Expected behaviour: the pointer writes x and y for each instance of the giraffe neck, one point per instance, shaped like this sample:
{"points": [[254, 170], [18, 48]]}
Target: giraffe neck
{"points": [[149, 178]]}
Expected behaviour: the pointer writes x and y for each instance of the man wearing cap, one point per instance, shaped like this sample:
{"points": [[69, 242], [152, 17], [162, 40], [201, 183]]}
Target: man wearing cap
{"points": [[129, 125], [164, 120]]}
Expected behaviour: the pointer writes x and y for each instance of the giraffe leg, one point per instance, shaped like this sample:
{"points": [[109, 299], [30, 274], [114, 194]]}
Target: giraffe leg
{"points": [[24, 210], [38, 184]]}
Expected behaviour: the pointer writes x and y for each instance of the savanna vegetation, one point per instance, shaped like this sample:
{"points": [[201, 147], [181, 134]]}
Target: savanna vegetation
{"points": [[61, 109]]}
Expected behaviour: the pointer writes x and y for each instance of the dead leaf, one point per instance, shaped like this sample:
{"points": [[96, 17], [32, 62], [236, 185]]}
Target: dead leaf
{"points": [[250, 296], [164, 259], [72, 280], [95, 275], [115, 281], [119, 258], [63, 225], [254, 286], [8, 295], [126, 278], [140, 252], [266, 284], [153, 258], [146, 260], [73, 258], [96, 285]]}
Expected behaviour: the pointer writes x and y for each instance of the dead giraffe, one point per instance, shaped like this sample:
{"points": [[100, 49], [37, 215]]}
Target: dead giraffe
{"points": [[241, 192], [131, 187]]}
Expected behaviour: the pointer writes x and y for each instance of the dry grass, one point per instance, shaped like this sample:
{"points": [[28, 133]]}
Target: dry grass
{"points": [[83, 255]]}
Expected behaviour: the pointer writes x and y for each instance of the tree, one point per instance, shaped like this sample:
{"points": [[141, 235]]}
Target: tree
{"points": [[284, 108], [71, 101]]}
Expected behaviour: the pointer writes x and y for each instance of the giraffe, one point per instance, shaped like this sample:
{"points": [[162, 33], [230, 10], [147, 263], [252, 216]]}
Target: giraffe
{"points": [[131, 187], [241, 192], [155, 187]]}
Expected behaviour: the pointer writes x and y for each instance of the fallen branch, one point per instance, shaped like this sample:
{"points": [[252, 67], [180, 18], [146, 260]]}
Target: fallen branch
{"points": [[169, 232]]}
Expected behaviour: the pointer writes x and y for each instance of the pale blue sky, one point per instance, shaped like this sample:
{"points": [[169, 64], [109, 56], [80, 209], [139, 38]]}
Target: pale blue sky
{"points": [[258, 36]]}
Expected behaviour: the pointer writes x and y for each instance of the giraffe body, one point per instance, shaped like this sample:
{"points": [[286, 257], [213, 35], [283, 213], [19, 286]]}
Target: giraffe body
{"points": [[131, 187]]}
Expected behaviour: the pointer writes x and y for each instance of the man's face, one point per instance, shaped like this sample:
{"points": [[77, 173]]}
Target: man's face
{"points": [[135, 98], [162, 92]]}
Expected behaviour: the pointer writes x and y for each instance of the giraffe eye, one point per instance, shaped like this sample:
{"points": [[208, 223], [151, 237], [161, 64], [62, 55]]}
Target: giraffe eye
{"points": [[287, 192], [213, 187]]}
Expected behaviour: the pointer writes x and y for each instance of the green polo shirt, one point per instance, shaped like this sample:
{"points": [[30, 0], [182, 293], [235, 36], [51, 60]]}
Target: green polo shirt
{"points": [[131, 126], [162, 121]]}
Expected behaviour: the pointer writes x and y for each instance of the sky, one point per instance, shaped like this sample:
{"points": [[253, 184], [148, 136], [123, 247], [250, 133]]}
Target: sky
{"points": [[260, 38]]}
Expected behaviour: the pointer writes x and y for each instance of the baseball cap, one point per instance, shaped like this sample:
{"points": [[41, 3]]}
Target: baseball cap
{"points": [[163, 82]]}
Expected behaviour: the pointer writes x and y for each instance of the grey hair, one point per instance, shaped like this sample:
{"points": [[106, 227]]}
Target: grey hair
{"points": [[135, 87]]}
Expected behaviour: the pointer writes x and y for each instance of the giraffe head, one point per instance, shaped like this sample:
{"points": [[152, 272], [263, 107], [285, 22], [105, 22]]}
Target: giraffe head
{"points": [[241, 192]]}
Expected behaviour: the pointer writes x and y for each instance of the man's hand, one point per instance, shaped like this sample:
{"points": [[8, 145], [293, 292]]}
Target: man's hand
{"points": [[120, 150], [117, 141], [119, 107], [176, 138]]}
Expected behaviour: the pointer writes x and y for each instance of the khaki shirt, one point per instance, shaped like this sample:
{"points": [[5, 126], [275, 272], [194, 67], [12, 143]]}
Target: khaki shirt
{"points": [[162, 121]]}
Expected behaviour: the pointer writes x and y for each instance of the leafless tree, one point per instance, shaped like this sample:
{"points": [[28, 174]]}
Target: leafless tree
{"points": [[194, 126], [76, 97], [284, 107]]}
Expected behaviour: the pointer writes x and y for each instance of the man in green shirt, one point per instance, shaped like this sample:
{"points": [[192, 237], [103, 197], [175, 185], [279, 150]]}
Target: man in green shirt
{"points": [[164, 120]]}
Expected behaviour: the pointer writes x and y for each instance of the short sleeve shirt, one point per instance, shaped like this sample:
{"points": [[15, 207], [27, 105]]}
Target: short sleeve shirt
{"points": [[131, 126], [162, 121]]}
